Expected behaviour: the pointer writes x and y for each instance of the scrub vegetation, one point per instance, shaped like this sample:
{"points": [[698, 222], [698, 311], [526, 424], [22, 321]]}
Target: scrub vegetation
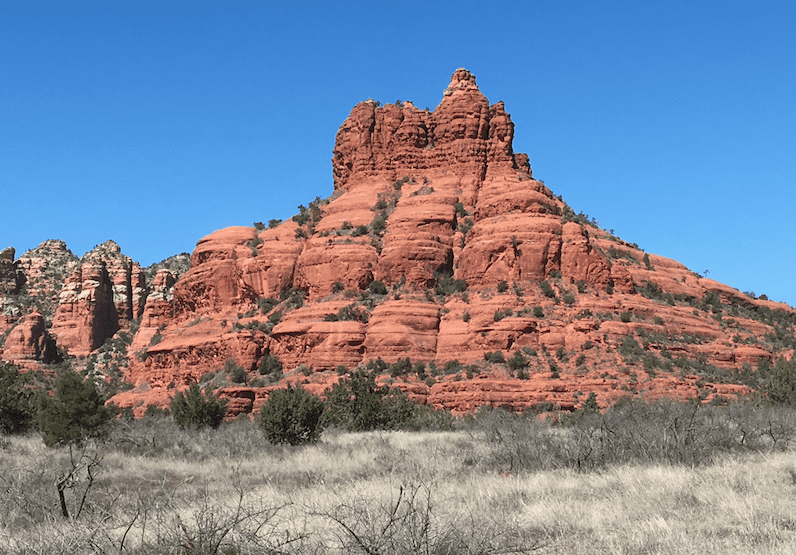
{"points": [[658, 478]]}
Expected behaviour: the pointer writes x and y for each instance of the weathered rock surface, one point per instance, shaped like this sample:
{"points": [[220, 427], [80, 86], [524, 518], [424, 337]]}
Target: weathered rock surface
{"points": [[437, 245], [29, 342], [426, 202], [104, 294]]}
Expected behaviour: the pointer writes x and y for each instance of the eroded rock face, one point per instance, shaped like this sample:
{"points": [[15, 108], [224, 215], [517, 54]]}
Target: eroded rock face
{"points": [[437, 245], [104, 294], [9, 274], [29, 341]]}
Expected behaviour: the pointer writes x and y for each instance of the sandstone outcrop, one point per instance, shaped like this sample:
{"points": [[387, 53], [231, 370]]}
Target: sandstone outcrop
{"points": [[474, 259], [29, 342], [104, 294], [437, 245]]}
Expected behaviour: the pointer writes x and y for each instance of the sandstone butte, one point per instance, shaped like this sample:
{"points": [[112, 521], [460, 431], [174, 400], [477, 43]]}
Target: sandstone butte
{"points": [[476, 257]]}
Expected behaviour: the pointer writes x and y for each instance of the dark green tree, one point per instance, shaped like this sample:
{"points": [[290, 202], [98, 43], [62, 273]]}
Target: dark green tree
{"points": [[781, 383], [76, 412], [358, 403], [293, 416], [194, 410], [16, 401]]}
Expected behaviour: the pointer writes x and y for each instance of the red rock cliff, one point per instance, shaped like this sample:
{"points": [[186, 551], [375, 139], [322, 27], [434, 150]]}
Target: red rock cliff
{"points": [[470, 256]]}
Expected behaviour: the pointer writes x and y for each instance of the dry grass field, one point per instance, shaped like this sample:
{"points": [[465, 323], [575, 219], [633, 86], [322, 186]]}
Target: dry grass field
{"points": [[152, 489]]}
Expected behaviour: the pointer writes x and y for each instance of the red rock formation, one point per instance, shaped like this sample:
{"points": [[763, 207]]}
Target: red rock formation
{"points": [[474, 256], [29, 342], [104, 294], [423, 199], [9, 275]]}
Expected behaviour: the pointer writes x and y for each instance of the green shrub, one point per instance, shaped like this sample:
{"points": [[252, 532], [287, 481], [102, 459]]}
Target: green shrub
{"points": [[568, 298], [271, 365], [547, 289], [359, 231], [337, 287], [377, 288], [235, 372], [17, 409], [378, 366], [445, 284], [77, 412], [453, 367], [538, 312], [495, 357], [780, 386], [358, 404], [274, 223], [500, 314], [293, 416], [502, 287], [401, 367], [517, 361], [194, 410], [626, 316]]}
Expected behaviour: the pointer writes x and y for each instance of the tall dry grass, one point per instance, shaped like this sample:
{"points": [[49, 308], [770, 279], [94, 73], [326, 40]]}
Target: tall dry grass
{"points": [[227, 491]]}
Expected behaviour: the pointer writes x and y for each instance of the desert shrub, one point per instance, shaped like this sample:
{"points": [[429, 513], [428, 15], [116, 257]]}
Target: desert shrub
{"points": [[780, 386], [377, 365], [238, 375], [235, 372], [274, 223], [17, 409], [359, 231], [466, 316], [547, 289], [195, 410], [356, 403], [445, 284], [502, 287], [538, 312], [452, 367], [377, 288], [77, 412], [401, 367], [626, 316], [630, 349], [495, 357], [265, 304], [568, 298], [379, 223], [500, 314], [293, 416], [271, 366], [354, 312], [517, 361]]}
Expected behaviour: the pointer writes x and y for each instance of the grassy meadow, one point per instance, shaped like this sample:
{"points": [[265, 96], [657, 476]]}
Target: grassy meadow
{"points": [[153, 489]]}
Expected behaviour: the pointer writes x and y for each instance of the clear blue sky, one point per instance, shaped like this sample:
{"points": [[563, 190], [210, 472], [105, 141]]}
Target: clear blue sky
{"points": [[673, 123]]}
